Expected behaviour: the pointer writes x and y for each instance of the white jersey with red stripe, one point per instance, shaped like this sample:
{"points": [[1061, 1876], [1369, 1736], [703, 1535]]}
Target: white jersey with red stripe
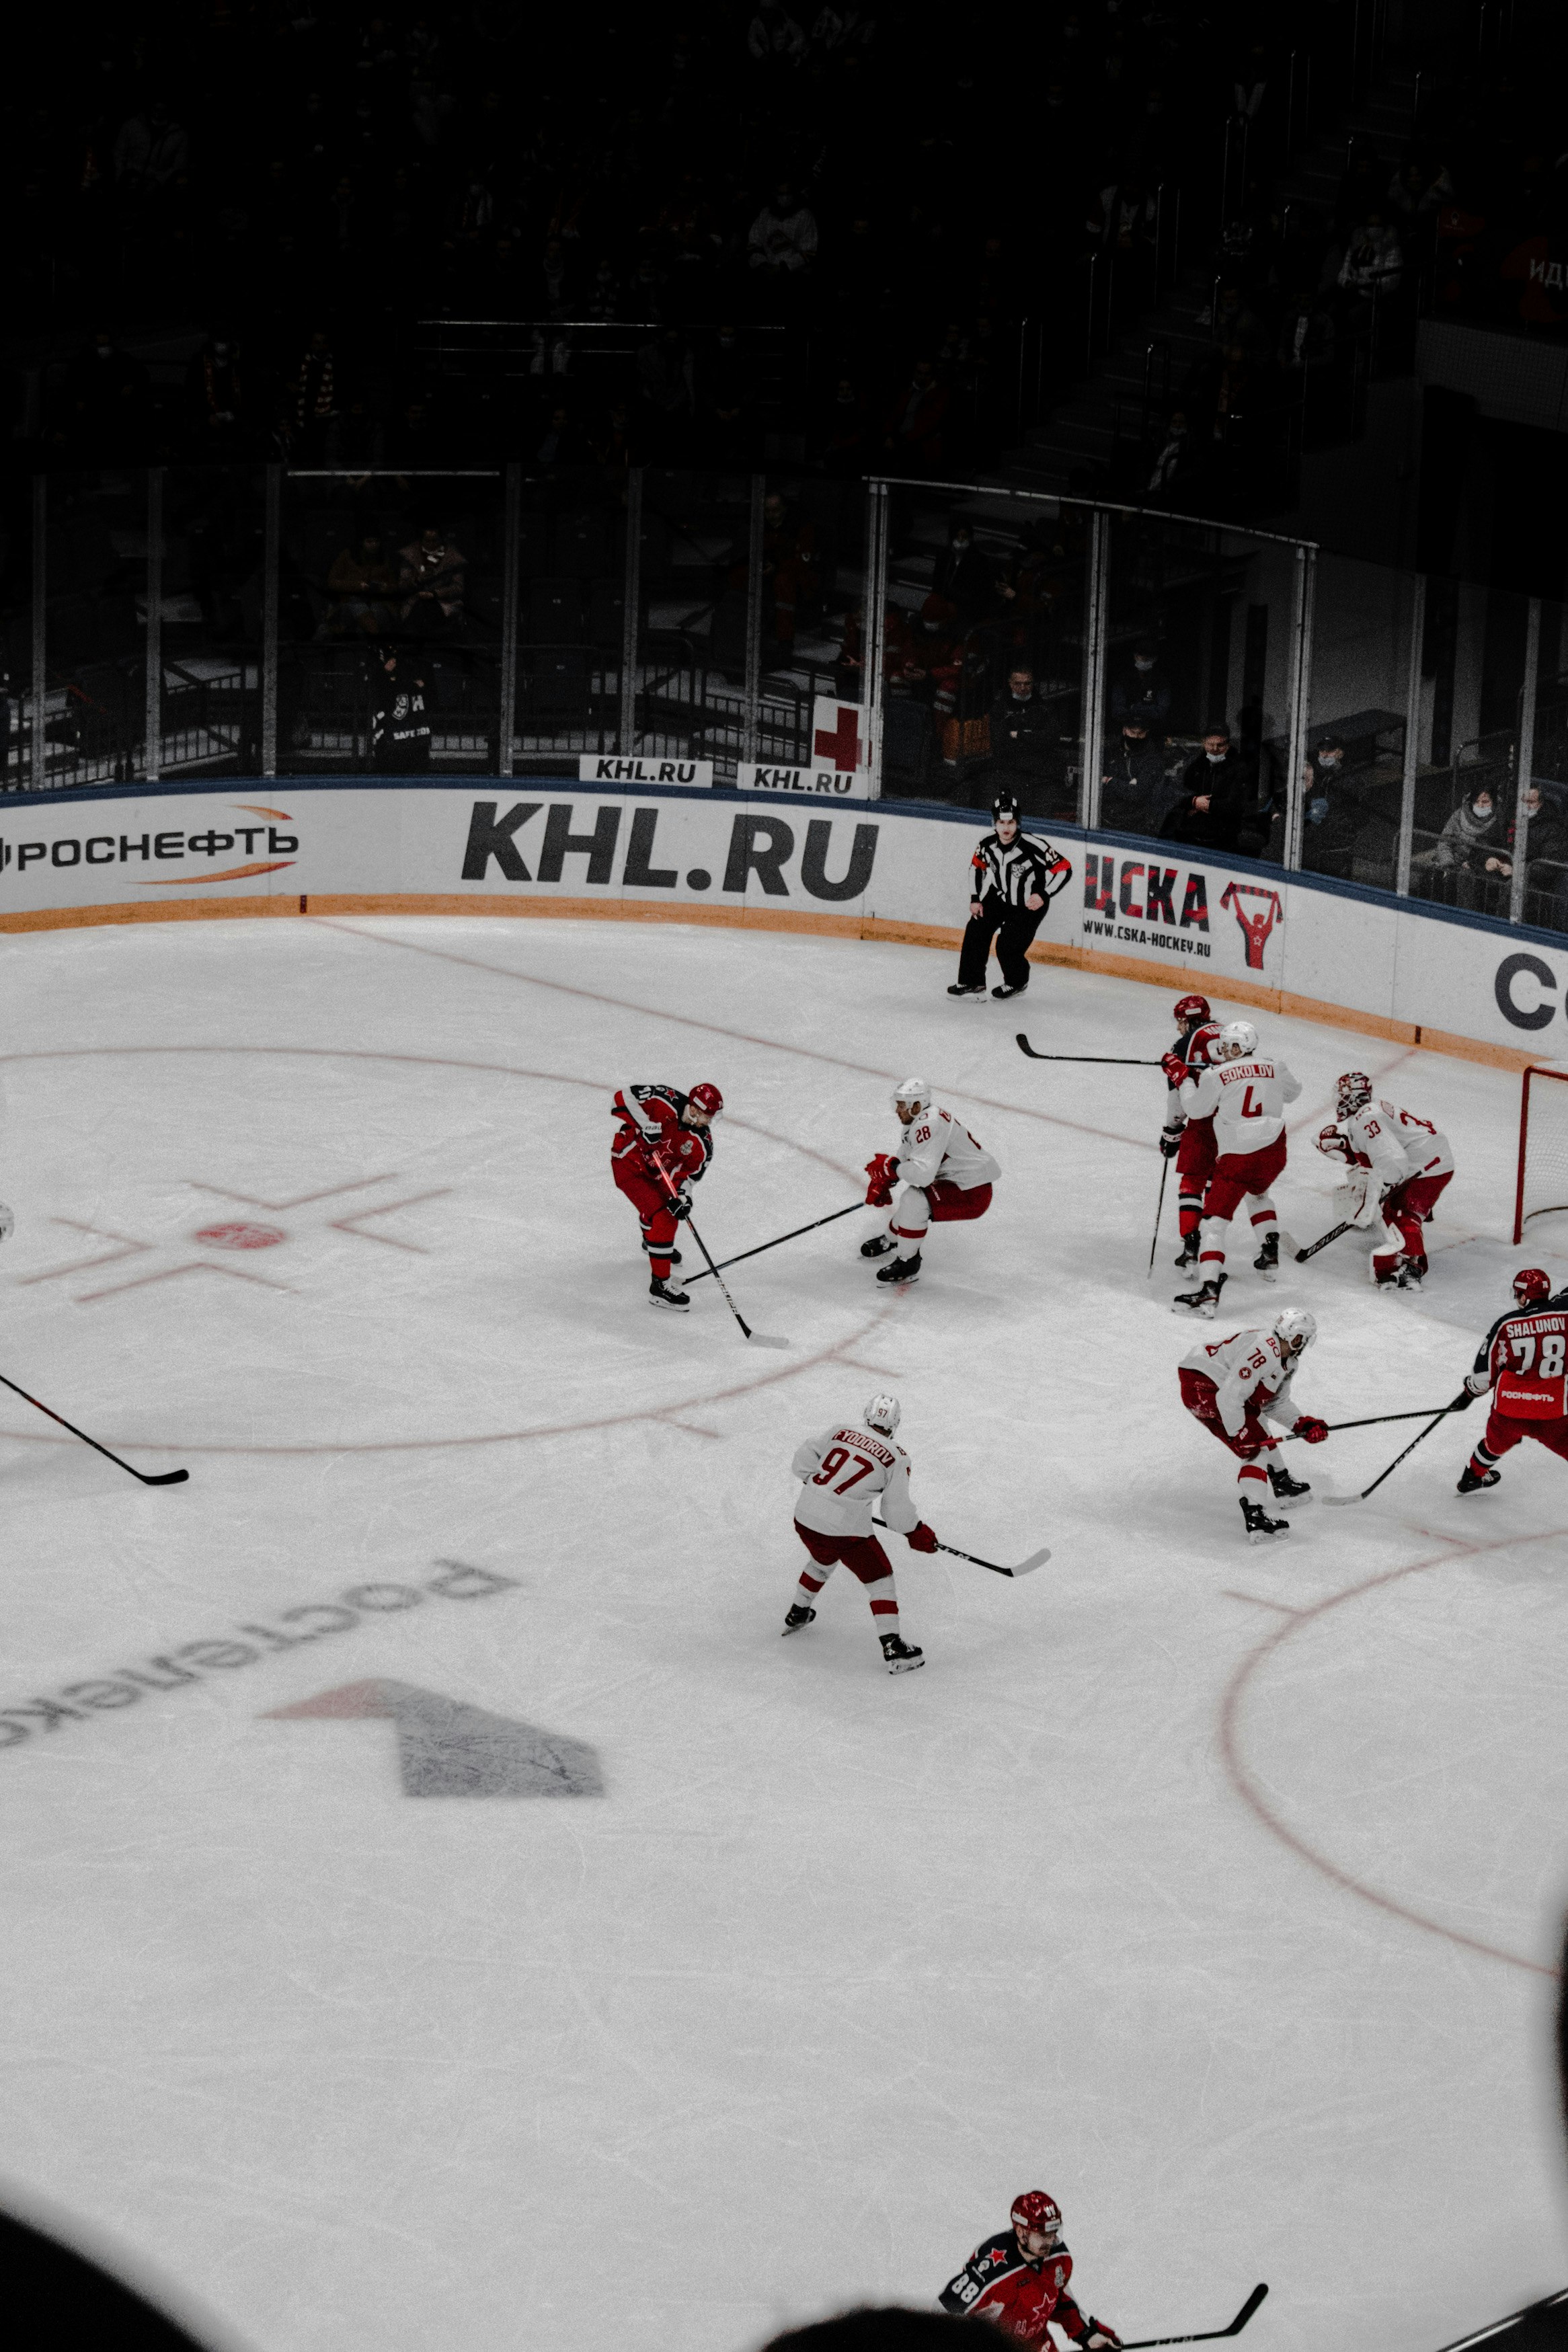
{"points": [[1244, 1099], [843, 1471], [1395, 1144], [1250, 1376], [938, 1148]]}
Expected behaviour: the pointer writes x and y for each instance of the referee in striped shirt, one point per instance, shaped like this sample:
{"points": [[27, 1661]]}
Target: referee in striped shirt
{"points": [[1013, 880]]}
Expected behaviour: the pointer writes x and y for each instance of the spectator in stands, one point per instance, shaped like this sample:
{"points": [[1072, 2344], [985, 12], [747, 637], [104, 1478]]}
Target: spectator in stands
{"points": [[913, 433], [1140, 694], [313, 399], [962, 577], [666, 393], [1373, 262], [215, 400], [151, 150], [1176, 462], [400, 726], [432, 573], [842, 441], [727, 392], [774, 38], [790, 570], [1134, 795], [1335, 814], [1023, 735], [363, 586], [1212, 797], [1306, 332], [782, 240], [1235, 323], [1469, 833], [1545, 847]]}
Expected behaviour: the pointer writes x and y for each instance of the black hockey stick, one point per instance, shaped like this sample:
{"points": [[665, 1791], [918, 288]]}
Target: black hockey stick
{"points": [[1340, 1500], [1373, 1420], [849, 1212], [1024, 1567], [164, 1478], [1159, 1212], [1210, 2335], [761, 1338], [1122, 1060], [1301, 1256]]}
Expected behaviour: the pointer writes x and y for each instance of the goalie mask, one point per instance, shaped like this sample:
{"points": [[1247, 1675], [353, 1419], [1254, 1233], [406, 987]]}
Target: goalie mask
{"points": [[1531, 1285], [1355, 1088], [1236, 1041], [884, 1413]]}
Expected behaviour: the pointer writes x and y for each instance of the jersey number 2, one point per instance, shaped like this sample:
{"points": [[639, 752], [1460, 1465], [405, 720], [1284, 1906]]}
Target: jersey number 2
{"points": [[833, 1462]]}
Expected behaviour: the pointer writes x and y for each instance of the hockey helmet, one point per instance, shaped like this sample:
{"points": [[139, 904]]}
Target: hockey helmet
{"points": [[1355, 1088], [1529, 1284], [706, 1098], [912, 1090], [1036, 2211], [1006, 805], [1295, 1330], [1332, 1144], [1192, 1009], [884, 1413], [1235, 1041]]}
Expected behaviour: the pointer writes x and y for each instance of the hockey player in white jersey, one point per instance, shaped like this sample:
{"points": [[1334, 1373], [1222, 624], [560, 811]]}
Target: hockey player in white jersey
{"points": [[1244, 1093], [1394, 1160], [945, 1176], [841, 1473], [1234, 1387]]}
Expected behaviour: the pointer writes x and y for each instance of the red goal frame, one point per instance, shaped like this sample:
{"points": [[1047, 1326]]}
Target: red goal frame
{"points": [[1535, 1070]]}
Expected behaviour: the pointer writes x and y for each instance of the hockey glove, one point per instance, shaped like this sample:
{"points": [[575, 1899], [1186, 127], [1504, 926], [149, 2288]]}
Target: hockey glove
{"points": [[881, 1171], [1169, 1142], [1309, 1428], [1464, 1401], [1098, 2337], [680, 1207], [7, 1222], [1175, 1069], [920, 1538]]}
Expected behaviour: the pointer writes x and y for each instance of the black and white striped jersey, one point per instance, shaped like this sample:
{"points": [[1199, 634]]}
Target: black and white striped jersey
{"points": [[1011, 870]]}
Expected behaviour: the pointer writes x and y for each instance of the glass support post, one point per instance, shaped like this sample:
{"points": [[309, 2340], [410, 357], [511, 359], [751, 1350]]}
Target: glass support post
{"points": [[1412, 735], [1095, 602], [872, 631], [1526, 760], [152, 730], [269, 560], [40, 672], [511, 528], [1300, 695], [626, 735], [752, 713]]}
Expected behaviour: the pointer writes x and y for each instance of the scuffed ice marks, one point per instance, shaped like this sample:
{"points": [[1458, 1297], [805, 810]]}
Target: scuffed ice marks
{"points": [[448, 1748]]}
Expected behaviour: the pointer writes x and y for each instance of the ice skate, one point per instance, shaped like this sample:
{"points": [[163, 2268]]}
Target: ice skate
{"points": [[1189, 1251], [1260, 1527], [797, 1616], [902, 1659], [967, 988], [1007, 989], [1471, 1481], [1199, 1302], [904, 1269], [665, 1294], [879, 1246], [1285, 1488], [1267, 1262], [1393, 1280]]}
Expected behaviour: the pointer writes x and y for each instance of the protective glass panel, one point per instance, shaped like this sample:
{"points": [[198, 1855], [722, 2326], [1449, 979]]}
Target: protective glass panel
{"points": [[95, 621], [571, 573], [214, 541], [691, 643], [1352, 776]]}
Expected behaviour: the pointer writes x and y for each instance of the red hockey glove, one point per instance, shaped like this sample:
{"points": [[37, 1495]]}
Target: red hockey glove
{"points": [[1309, 1428], [920, 1538], [882, 1170], [1175, 1069], [1169, 1142]]}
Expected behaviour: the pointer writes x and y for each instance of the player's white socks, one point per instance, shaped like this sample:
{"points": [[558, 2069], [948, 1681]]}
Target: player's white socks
{"points": [[810, 1586]]}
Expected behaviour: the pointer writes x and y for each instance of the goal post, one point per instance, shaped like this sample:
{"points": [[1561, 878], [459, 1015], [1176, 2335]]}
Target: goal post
{"points": [[1542, 1145]]}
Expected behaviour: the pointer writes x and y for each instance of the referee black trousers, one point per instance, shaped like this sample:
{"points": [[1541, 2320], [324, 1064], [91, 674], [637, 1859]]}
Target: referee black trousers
{"points": [[1012, 928]]}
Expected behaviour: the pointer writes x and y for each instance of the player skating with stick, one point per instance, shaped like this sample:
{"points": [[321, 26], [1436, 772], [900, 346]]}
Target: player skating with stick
{"points": [[1524, 1359], [1018, 2281], [1398, 1159], [1189, 1140], [946, 1177], [841, 1473], [1245, 1092], [661, 1148], [1233, 1387]]}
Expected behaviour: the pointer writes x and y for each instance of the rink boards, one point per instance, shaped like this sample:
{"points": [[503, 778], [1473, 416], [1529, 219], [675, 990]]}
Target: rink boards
{"points": [[1458, 984]]}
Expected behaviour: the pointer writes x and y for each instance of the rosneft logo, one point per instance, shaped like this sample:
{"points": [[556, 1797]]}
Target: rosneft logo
{"points": [[174, 848]]}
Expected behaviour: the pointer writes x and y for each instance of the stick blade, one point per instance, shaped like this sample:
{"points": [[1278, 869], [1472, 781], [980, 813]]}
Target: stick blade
{"points": [[167, 1478], [1035, 1559], [1340, 1502], [1025, 1047], [766, 1340], [1247, 2308]]}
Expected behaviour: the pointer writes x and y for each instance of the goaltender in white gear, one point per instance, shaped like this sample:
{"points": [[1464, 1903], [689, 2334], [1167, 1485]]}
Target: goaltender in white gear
{"points": [[944, 1173], [842, 1472], [1244, 1093], [1395, 1162]]}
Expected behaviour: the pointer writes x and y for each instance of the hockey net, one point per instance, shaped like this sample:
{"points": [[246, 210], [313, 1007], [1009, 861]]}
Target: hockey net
{"points": [[1542, 1147]]}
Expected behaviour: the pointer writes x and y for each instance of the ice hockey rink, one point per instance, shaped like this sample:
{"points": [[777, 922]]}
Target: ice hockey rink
{"points": [[535, 1949]]}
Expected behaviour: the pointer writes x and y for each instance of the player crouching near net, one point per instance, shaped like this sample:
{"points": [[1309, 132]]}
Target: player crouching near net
{"points": [[1395, 1159], [1189, 1141], [1244, 1093], [1524, 1360], [1018, 2281], [1233, 1386], [1015, 879], [946, 1177], [840, 1471], [661, 1148]]}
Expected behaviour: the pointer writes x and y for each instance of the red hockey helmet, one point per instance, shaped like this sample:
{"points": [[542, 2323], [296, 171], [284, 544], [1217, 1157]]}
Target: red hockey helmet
{"points": [[707, 1099], [1192, 1008], [1531, 1283], [1332, 1144], [1035, 2210]]}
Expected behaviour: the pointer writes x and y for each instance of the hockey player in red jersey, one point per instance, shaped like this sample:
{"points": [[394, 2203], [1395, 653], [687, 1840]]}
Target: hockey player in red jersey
{"points": [[1018, 2281], [661, 1148], [1233, 1387], [945, 1175], [840, 1471], [1400, 1161], [1524, 1359], [1244, 1093], [1189, 1141]]}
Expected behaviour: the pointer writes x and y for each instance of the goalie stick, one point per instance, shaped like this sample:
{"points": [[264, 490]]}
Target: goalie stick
{"points": [[1024, 1567], [1301, 1256], [1121, 1061], [164, 1478], [1210, 2335], [1340, 1501], [761, 1339], [702, 1275]]}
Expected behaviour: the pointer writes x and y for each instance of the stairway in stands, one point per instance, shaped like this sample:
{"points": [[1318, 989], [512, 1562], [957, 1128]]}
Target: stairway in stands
{"points": [[1072, 448]]}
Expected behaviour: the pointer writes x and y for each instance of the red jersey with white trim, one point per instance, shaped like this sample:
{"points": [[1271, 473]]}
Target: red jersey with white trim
{"points": [[1250, 1375], [938, 1148], [1524, 1357], [842, 1472], [1394, 1144], [1193, 1049], [1019, 2297], [1245, 1100], [651, 1129]]}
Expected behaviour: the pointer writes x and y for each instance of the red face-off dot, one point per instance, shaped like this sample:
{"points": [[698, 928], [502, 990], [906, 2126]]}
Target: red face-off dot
{"points": [[242, 1236]]}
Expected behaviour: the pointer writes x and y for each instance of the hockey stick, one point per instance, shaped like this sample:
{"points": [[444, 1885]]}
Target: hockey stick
{"points": [[1159, 1212], [1341, 1500], [1301, 1256], [164, 1478], [761, 1338], [1373, 1420], [1121, 1061], [1024, 1567], [1209, 2335], [849, 1212]]}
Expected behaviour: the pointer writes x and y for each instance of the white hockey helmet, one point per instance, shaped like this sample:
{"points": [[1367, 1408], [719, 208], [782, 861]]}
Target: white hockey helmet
{"points": [[912, 1090], [1235, 1041], [884, 1413], [1295, 1330]]}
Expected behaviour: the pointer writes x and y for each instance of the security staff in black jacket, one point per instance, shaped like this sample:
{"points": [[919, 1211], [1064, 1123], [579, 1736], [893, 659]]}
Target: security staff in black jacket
{"points": [[399, 725], [1013, 880]]}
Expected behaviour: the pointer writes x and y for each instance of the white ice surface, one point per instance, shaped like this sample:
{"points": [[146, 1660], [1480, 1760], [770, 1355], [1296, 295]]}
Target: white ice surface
{"points": [[840, 1962]]}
